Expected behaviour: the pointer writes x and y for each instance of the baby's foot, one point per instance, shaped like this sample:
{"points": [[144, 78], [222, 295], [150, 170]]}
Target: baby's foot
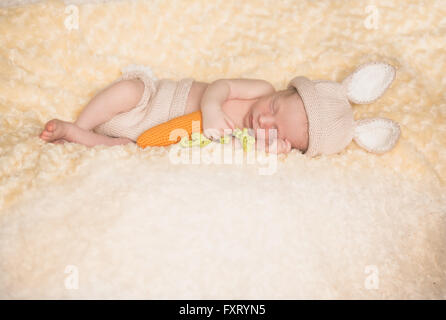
{"points": [[55, 130]]}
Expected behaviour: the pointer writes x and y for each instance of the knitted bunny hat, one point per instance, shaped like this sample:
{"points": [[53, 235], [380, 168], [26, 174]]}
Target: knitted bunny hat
{"points": [[330, 115]]}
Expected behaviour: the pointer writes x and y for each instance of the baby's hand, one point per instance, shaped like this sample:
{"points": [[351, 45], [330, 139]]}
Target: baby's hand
{"points": [[277, 146], [215, 123]]}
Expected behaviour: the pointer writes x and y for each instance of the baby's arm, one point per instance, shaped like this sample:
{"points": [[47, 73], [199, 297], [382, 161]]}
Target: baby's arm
{"points": [[225, 89], [214, 119]]}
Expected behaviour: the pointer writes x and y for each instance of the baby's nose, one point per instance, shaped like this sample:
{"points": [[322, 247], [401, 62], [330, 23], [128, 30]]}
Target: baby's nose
{"points": [[266, 122]]}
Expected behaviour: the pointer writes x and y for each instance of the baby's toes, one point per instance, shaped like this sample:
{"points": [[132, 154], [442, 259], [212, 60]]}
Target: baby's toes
{"points": [[51, 125], [45, 135], [54, 130], [48, 130]]}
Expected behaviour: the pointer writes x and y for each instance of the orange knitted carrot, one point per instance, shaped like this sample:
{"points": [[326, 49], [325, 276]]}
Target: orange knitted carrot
{"points": [[158, 136]]}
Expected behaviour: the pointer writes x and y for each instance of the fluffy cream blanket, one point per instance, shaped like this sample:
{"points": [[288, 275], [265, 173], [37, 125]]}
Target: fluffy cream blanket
{"points": [[122, 222]]}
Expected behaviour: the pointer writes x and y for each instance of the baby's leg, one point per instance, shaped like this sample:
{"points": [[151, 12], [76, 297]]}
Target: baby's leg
{"points": [[57, 131], [119, 97]]}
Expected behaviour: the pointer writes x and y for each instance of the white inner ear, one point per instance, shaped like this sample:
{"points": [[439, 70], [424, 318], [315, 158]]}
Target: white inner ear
{"points": [[370, 82], [376, 135]]}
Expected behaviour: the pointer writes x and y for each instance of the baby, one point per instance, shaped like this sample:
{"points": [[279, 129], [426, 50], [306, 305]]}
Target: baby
{"points": [[254, 103], [314, 117], [224, 103]]}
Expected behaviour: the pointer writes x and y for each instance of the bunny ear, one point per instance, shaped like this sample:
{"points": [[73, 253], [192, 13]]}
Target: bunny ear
{"points": [[377, 135], [368, 82]]}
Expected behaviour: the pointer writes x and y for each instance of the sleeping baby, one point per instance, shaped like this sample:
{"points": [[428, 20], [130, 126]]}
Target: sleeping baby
{"points": [[314, 117]]}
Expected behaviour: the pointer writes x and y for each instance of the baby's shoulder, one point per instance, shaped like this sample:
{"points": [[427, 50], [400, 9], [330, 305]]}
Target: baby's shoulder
{"points": [[245, 88]]}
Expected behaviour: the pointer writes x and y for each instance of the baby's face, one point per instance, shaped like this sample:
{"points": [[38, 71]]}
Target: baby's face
{"points": [[284, 111]]}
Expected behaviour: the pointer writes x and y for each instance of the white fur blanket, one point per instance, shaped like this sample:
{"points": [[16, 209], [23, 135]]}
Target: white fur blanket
{"points": [[122, 222]]}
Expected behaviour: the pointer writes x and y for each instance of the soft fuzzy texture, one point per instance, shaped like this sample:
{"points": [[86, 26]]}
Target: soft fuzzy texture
{"points": [[135, 225]]}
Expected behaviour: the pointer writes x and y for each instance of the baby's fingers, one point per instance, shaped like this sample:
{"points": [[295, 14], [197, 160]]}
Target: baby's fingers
{"points": [[212, 133], [230, 123], [277, 146]]}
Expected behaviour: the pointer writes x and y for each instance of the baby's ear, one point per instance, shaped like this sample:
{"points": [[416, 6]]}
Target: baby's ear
{"points": [[368, 82]]}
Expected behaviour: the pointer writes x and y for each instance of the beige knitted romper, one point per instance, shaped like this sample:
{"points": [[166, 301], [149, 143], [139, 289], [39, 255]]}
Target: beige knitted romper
{"points": [[162, 100]]}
